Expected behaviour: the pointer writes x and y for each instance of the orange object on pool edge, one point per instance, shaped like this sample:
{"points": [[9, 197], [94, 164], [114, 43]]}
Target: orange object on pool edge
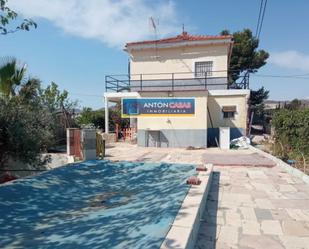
{"points": [[201, 168], [7, 177], [193, 180]]}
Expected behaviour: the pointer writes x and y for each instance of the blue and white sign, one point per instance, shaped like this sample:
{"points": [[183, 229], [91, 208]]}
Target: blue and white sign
{"points": [[158, 107]]}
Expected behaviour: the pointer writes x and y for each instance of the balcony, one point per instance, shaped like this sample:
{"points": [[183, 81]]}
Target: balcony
{"points": [[163, 82]]}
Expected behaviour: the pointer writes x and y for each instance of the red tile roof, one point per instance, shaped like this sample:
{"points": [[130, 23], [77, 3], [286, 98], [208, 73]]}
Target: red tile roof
{"points": [[181, 38]]}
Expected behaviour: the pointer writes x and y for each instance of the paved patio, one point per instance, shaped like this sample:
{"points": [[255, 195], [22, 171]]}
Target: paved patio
{"points": [[129, 152], [253, 203], [255, 208]]}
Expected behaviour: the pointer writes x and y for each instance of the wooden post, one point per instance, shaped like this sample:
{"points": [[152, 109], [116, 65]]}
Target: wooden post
{"points": [[117, 132]]}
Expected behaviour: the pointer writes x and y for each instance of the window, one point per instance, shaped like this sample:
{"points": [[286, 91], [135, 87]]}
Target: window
{"points": [[203, 68], [228, 114], [229, 111]]}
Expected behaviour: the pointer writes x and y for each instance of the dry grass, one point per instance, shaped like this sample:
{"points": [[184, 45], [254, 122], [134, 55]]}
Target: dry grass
{"points": [[301, 161]]}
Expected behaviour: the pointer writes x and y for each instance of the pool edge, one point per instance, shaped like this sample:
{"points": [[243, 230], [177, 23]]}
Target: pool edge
{"points": [[184, 230]]}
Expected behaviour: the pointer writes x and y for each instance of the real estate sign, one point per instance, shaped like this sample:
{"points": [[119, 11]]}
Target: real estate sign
{"points": [[158, 107]]}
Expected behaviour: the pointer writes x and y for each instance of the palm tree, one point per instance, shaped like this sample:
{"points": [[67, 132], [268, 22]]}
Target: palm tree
{"points": [[11, 76]]}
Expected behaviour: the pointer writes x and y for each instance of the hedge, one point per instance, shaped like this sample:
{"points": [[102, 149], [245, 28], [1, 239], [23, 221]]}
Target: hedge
{"points": [[292, 131]]}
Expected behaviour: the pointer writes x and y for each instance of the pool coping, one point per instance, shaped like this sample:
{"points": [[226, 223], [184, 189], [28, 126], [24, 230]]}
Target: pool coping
{"points": [[291, 170], [184, 230]]}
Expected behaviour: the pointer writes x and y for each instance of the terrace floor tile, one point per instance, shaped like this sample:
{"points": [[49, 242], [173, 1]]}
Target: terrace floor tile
{"points": [[253, 203]]}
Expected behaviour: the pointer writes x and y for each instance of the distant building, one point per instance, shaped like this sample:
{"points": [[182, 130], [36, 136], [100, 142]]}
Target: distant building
{"points": [[177, 92], [272, 104]]}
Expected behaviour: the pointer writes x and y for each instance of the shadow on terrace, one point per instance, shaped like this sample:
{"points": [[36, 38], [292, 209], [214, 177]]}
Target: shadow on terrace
{"points": [[208, 227], [96, 204]]}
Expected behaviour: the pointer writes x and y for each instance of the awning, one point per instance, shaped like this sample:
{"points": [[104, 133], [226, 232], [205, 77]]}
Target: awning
{"points": [[229, 108]]}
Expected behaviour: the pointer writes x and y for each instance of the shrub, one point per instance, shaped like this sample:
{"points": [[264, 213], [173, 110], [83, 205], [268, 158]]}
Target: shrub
{"points": [[25, 132], [292, 131], [91, 118], [96, 118]]}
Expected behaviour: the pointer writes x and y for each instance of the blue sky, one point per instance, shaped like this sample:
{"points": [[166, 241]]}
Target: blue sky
{"points": [[78, 42]]}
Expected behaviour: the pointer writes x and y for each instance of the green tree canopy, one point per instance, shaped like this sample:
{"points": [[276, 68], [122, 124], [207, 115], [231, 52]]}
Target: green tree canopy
{"points": [[12, 75], [56, 100], [96, 118], [29, 115], [291, 132], [257, 98], [245, 54], [26, 128], [91, 118], [295, 104], [7, 18]]}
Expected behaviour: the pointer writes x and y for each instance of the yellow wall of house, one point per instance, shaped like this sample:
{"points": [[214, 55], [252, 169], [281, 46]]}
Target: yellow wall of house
{"points": [[178, 60], [201, 119], [215, 104], [198, 121]]}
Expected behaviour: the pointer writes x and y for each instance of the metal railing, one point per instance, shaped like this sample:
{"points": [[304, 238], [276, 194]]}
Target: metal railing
{"points": [[175, 81]]}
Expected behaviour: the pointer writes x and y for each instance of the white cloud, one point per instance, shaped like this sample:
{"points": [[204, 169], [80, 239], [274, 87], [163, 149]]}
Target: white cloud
{"points": [[290, 59], [113, 22]]}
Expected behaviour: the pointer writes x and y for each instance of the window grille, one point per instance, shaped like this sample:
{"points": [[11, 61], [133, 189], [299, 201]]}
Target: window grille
{"points": [[203, 68]]}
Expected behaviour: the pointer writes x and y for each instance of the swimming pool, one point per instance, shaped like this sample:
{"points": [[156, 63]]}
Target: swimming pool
{"points": [[95, 204]]}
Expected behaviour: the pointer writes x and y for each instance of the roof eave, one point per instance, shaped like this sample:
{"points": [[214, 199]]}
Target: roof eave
{"points": [[130, 47]]}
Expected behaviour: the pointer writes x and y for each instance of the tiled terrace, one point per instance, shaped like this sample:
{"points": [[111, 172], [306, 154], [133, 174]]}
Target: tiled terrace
{"points": [[255, 208], [253, 202]]}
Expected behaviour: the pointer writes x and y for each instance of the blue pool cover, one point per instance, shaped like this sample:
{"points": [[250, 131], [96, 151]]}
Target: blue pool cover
{"points": [[96, 204]]}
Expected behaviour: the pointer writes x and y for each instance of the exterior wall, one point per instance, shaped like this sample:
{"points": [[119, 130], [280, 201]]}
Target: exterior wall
{"points": [[178, 60], [215, 119], [213, 135], [195, 130], [198, 130], [187, 131], [176, 131], [180, 138]]}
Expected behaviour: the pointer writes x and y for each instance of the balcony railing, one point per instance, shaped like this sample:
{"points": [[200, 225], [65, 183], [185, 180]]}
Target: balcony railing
{"points": [[175, 82]]}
